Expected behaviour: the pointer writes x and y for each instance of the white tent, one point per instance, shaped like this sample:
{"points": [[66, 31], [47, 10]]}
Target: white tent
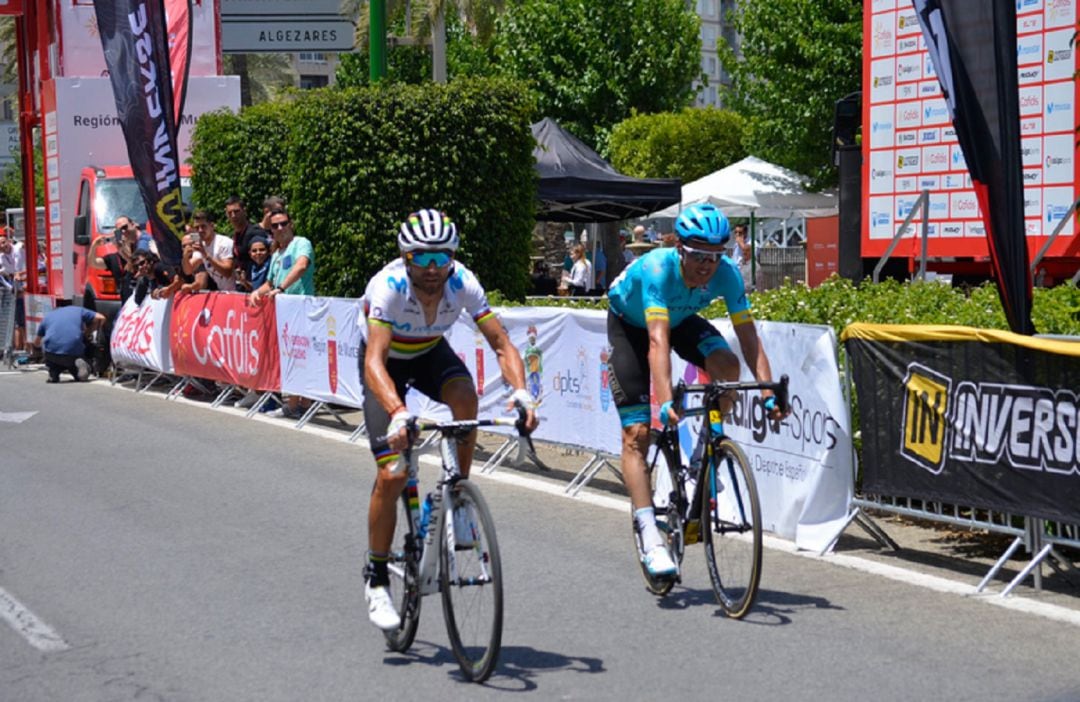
{"points": [[757, 188]]}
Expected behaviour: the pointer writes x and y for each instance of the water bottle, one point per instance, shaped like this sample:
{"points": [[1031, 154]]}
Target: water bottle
{"points": [[425, 515]]}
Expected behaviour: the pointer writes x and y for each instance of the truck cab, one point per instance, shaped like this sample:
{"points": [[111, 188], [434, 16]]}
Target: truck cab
{"points": [[105, 194]]}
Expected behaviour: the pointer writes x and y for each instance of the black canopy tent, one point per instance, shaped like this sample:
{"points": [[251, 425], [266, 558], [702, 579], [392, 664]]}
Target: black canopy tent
{"points": [[576, 185]]}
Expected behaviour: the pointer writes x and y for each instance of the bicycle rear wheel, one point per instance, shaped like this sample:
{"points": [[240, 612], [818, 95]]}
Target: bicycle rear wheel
{"points": [[731, 529], [404, 584], [660, 461], [471, 579]]}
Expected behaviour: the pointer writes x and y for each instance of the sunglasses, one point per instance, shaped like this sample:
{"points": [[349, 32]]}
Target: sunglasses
{"points": [[279, 225], [699, 256], [441, 259]]}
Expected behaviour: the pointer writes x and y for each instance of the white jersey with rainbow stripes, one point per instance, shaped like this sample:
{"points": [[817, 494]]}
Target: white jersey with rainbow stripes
{"points": [[389, 301]]}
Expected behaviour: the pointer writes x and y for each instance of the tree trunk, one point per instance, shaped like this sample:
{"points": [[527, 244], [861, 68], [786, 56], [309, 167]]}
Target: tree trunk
{"points": [[240, 65], [438, 47]]}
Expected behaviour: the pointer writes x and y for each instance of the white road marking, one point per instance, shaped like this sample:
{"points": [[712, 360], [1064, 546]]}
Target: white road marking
{"points": [[16, 417], [910, 577], [36, 632]]}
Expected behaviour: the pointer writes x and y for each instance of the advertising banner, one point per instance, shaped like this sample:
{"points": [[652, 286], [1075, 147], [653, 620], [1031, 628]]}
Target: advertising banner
{"points": [[140, 335], [319, 348], [134, 37], [910, 141], [970, 417], [804, 469], [980, 87], [219, 336]]}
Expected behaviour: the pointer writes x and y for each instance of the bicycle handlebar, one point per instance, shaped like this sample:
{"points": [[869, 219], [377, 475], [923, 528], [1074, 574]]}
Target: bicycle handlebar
{"points": [[464, 426], [778, 388]]}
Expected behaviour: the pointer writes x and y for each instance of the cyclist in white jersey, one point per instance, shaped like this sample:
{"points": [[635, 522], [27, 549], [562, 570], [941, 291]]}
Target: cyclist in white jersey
{"points": [[408, 306]]}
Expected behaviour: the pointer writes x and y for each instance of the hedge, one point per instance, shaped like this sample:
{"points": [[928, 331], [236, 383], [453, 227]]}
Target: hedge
{"points": [[352, 163]]}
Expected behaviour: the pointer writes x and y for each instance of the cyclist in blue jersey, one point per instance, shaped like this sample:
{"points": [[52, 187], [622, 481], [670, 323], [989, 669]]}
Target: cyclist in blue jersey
{"points": [[652, 310], [408, 306]]}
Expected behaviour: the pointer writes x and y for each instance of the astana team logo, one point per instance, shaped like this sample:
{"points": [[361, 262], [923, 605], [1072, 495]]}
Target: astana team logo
{"points": [[605, 381]]}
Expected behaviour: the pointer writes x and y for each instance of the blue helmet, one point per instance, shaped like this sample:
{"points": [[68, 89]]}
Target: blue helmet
{"points": [[704, 224]]}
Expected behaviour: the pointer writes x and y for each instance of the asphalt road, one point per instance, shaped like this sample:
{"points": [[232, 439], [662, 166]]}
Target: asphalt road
{"points": [[158, 550]]}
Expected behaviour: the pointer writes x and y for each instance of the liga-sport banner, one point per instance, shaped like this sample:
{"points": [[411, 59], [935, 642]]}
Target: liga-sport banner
{"points": [[319, 348], [971, 417], [804, 471], [139, 335], [220, 337], [134, 38]]}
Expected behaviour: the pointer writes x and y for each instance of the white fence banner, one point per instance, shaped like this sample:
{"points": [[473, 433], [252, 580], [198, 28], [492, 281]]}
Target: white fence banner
{"points": [[803, 471], [319, 347], [140, 335]]}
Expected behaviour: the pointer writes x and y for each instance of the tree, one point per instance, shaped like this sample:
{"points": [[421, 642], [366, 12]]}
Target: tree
{"points": [[440, 23], [798, 58], [261, 75], [592, 62], [466, 54], [685, 145]]}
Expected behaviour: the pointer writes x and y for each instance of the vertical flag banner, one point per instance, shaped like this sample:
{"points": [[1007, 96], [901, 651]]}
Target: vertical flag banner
{"points": [[133, 36], [973, 49], [178, 21]]}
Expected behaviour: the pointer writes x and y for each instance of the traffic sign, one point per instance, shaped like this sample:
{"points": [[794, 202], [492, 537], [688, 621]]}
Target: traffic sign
{"points": [[283, 34]]}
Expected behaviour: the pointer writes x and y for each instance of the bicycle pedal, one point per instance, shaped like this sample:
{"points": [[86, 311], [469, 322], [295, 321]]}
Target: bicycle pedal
{"points": [[693, 532]]}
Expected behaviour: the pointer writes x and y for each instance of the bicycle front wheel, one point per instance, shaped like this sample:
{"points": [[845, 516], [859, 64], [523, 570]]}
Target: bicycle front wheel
{"points": [[732, 534], [404, 583], [471, 580]]}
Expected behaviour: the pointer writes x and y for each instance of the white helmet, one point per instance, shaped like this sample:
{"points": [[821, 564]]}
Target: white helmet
{"points": [[428, 230]]}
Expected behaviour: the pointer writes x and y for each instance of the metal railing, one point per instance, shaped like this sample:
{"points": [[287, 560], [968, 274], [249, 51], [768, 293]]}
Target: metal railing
{"points": [[921, 203]]}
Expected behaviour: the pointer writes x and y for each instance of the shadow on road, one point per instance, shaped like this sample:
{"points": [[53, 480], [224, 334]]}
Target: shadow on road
{"points": [[517, 668], [771, 607]]}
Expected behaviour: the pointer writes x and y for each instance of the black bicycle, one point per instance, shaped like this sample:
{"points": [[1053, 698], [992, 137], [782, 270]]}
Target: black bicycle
{"points": [[448, 545], [713, 500]]}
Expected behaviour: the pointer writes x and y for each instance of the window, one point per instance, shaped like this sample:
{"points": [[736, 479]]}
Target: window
{"points": [[311, 57], [711, 69], [309, 81]]}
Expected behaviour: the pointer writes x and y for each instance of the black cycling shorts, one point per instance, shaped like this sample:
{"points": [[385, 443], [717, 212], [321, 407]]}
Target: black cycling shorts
{"points": [[429, 373], [628, 366]]}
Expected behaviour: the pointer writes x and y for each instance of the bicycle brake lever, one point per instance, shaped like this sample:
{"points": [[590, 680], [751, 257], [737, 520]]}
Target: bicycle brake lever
{"points": [[782, 395]]}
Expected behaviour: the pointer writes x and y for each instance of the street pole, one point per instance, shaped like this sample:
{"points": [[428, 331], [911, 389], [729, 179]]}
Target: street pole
{"points": [[377, 41]]}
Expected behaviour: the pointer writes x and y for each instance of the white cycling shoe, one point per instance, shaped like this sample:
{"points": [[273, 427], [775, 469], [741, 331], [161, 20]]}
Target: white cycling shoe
{"points": [[658, 562], [381, 609]]}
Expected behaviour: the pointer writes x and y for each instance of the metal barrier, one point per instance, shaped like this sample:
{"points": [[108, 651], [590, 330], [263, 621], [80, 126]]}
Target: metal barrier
{"points": [[7, 324], [776, 263]]}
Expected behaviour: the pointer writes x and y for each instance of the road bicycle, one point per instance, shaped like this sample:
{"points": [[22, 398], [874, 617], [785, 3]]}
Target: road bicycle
{"points": [[713, 499], [450, 550]]}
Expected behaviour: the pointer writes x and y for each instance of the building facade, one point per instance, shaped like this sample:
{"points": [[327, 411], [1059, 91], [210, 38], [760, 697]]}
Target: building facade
{"points": [[715, 25]]}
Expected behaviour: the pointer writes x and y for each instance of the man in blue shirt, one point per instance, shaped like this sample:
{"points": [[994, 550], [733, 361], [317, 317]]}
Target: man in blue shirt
{"points": [[60, 335], [652, 310]]}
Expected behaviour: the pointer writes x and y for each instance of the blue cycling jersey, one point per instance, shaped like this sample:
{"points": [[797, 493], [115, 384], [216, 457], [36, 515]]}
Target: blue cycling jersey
{"points": [[652, 287]]}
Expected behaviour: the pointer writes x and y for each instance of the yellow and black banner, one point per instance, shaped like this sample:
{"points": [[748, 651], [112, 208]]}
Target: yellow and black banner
{"points": [[970, 417]]}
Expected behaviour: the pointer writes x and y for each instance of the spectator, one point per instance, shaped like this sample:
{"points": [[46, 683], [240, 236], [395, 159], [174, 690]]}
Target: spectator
{"points": [[639, 234], [600, 266], [292, 272], [127, 239], [668, 240], [542, 282], [627, 254], [191, 276], [214, 250], [13, 272], [61, 335], [580, 282], [292, 267], [741, 254], [244, 231], [269, 205], [251, 276], [150, 274]]}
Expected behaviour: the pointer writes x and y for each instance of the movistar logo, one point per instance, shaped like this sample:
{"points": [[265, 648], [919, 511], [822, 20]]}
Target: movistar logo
{"points": [[398, 285]]}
